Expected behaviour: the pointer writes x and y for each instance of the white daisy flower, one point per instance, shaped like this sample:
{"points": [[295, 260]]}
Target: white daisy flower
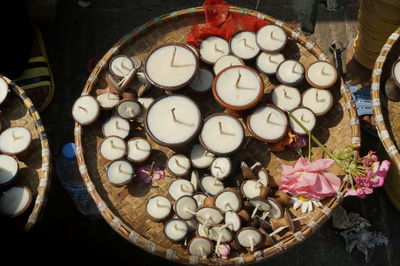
{"points": [[306, 204]]}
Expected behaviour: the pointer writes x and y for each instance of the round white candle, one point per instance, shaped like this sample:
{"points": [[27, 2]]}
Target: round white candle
{"points": [[200, 157], [200, 246], [233, 220], [209, 215], [85, 110], [108, 100], [120, 172], [185, 207], [8, 169], [306, 117], [268, 124], [212, 48], [268, 63], [179, 188], [321, 74], [222, 134], [251, 189], [113, 148], [145, 102], [238, 87], [129, 109], [319, 101], [249, 237], [221, 168], [210, 185], [171, 66], [227, 61], [396, 72], [15, 201], [285, 97], [271, 38], [158, 207], [121, 65], [139, 150], [116, 126], [228, 201], [3, 90], [173, 120], [15, 140], [203, 81], [176, 229], [243, 44], [199, 197], [290, 72], [179, 165]]}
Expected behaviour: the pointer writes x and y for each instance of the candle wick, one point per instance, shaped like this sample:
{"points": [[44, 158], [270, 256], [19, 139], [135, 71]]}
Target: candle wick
{"points": [[216, 48], [123, 65], [108, 93], [255, 210], [265, 214], [245, 43], [173, 114], [304, 120], [113, 146], [184, 188], [223, 132], [215, 179], [14, 136], [273, 37], [219, 168], [173, 57], [130, 111], [218, 242], [317, 98], [190, 211], [238, 79], [117, 125], [138, 148], [202, 252], [272, 61], [179, 164], [119, 168], [83, 108], [324, 73], [178, 121], [228, 205], [177, 228], [160, 205], [272, 122], [286, 95], [251, 243], [294, 69]]}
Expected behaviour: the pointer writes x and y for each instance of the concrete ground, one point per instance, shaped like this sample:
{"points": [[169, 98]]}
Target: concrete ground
{"points": [[82, 33]]}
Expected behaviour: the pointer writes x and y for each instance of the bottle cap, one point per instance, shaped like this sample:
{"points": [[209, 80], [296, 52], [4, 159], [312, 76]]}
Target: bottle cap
{"points": [[69, 150]]}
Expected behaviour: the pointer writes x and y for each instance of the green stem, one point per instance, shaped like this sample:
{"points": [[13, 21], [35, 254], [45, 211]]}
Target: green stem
{"points": [[309, 146]]}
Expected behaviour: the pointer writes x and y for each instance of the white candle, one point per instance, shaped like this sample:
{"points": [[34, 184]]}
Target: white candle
{"points": [[243, 44], [321, 75], [199, 197], [145, 102], [222, 134], [116, 126], [306, 117], [15, 201], [121, 65], [120, 172], [200, 157], [290, 72], [179, 165], [228, 201], [3, 90], [171, 66], [15, 140], [209, 216], [396, 72], [85, 110], [220, 234], [200, 246], [251, 188], [227, 61], [176, 230], [268, 124], [212, 48], [221, 168], [202, 83], [268, 63], [285, 97], [271, 38], [238, 87], [179, 188], [232, 220], [129, 109], [173, 120], [158, 207], [139, 150], [185, 207], [319, 101], [113, 148], [8, 169], [210, 185], [107, 100], [249, 237]]}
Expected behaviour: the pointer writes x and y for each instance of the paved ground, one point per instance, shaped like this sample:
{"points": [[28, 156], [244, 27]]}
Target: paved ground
{"points": [[82, 33]]}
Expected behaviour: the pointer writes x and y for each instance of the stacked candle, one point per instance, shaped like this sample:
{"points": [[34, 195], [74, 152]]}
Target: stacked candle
{"points": [[15, 141]]}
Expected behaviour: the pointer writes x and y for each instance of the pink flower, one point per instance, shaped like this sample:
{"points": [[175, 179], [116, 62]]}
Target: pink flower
{"points": [[361, 192], [310, 179], [148, 172], [224, 250], [380, 171]]}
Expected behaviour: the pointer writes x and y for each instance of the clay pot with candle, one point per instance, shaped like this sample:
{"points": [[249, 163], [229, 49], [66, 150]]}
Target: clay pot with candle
{"points": [[319, 101], [321, 75], [158, 208], [212, 48], [185, 207], [268, 63], [285, 97], [254, 188], [116, 126], [306, 117], [227, 61], [15, 141], [200, 157], [221, 168], [209, 215], [176, 230], [85, 110], [145, 102], [113, 148], [4, 90], [179, 188], [139, 150], [260, 204], [15, 201], [8, 170], [202, 83], [108, 100], [178, 165], [290, 72], [233, 221], [271, 38], [195, 180], [243, 44], [228, 199], [249, 238], [392, 84], [129, 109], [211, 185], [122, 65], [200, 246], [120, 173]]}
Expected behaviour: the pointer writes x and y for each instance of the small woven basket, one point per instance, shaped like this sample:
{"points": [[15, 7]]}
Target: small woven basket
{"points": [[124, 208], [35, 169]]}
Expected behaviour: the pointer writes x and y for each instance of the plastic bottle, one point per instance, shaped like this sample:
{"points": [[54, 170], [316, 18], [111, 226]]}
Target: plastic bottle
{"points": [[68, 173]]}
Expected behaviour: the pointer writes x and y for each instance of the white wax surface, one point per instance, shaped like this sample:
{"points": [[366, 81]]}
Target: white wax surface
{"points": [[246, 91], [116, 126], [85, 110], [8, 168], [108, 100], [214, 214], [319, 101], [268, 63], [233, 219], [243, 45], [268, 42], [227, 201], [14, 200], [145, 102], [212, 48], [285, 97], [129, 109], [195, 180], [226, 61], [306, 117], [184, 203], [201, 230], [200, 157], [139, 149], [119, 172], [244, 237], [290, 72], [396, 71], [268, 123], [14, 140], [158, 207], [176, 229], [251, 189], [210, 185], [167, 70], [322, 74], [221, 167], [113, 148], [121, 66], [226, 141], [263, 177], [216, 233], [179, 164], [161, 123], [3, 90], [199, 198], [203, 80], [200, 246], [179, 188]]}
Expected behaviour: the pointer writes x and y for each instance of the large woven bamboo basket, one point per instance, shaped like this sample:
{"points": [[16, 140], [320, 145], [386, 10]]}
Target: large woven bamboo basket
{"points": [[35, 169], [124, 208], [387, 113]]}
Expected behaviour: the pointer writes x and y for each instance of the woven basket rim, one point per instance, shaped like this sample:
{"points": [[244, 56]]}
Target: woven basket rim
{"points": [[135, 238]]}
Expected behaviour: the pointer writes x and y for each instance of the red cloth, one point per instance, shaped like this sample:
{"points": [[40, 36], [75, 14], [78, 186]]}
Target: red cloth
{"points": [[221, 23]]}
